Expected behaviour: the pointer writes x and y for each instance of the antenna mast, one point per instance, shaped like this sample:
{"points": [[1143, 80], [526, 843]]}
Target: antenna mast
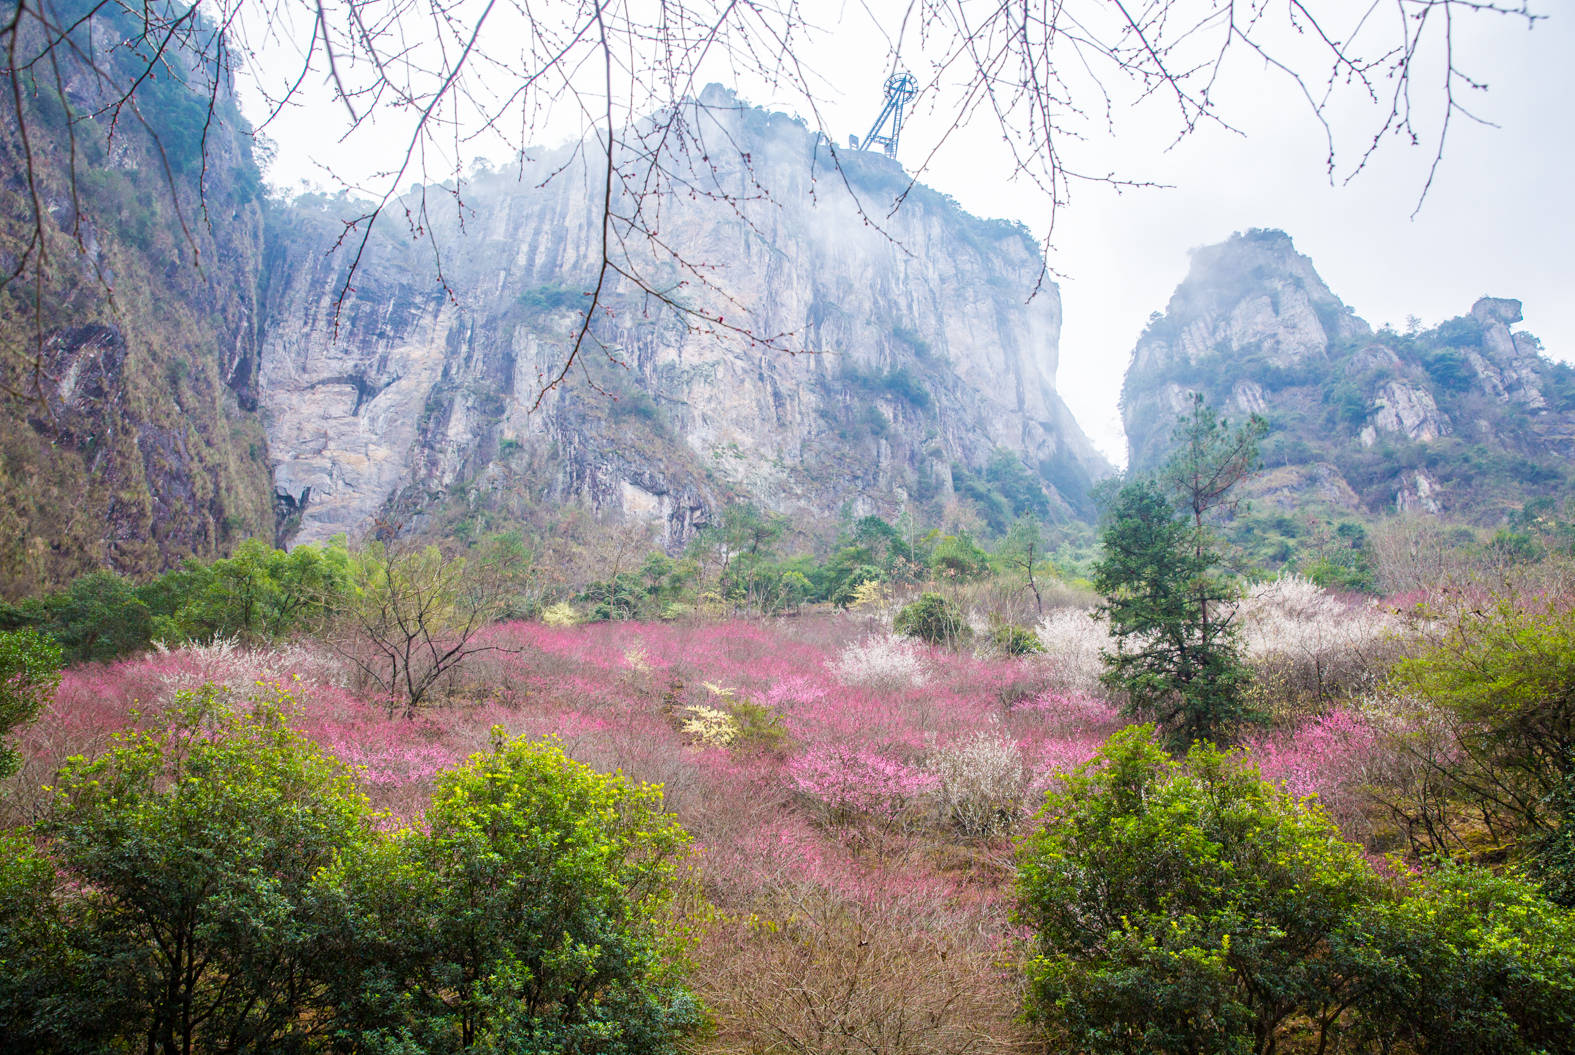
{"points": [[900, 87]]}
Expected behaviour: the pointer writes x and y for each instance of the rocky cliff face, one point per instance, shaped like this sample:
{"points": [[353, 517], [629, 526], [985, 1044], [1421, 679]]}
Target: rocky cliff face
{"points": [[924, 370], [1467, 419], [129, 437]]}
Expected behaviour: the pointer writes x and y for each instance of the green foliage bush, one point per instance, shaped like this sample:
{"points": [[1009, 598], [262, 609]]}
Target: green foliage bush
{"points": [[536, 912], [758, 726], [542, 299], [221, 886], [185, 862], [29, 674], [98, 617], [1013, 640], [1463, 331], [1449, 369], [1188, 906], [1505, 676], [959, 558], [934, 620], [1180, 906], [1470, 962], [257, 594]]}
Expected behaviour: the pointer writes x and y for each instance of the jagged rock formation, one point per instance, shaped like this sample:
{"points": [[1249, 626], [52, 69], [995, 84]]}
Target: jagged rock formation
{"points": [[926, 372], [129, 437], [1468, 419]]}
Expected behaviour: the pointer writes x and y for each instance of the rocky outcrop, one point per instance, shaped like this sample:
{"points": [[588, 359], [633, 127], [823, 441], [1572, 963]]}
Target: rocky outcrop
{"points": [[1251, 306], [921, 351], [1406, 410], [1507, 364], [1467, 420]]}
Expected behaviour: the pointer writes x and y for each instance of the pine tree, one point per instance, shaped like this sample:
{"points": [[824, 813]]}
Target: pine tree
{"points": [[1177, 658]]}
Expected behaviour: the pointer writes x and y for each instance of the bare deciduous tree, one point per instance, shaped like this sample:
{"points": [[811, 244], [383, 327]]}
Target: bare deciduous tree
{"points": [[415, 614]]}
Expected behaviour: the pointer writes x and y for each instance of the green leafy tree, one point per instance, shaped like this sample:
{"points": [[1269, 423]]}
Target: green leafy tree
{"points": [[1185, 905], [934, 620], [260, 593], [1188, 906], [845, 579], [735, 547], [1469, 962], [1504, 675], [185, 861], [29, 675], [535, 914], [34, 956], [100, 616]]}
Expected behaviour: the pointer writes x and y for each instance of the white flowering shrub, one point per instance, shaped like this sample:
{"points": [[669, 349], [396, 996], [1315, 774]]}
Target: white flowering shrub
{"points": [[1305, 641], [237, 670], [1073, 638], [980, 783], [888, 662]]}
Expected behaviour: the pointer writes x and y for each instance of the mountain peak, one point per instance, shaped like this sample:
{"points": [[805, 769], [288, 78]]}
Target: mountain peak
{"points": [[1467, 419]]}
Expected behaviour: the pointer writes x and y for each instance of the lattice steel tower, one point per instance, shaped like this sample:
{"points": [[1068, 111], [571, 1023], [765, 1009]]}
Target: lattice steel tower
{"points": [[900, 87]]}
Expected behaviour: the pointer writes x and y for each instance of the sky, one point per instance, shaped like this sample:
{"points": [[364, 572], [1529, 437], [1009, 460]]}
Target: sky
{"points": [[1498, 219]]}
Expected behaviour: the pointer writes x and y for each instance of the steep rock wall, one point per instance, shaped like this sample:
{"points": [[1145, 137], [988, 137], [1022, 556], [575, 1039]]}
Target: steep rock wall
{"points": [[921, 353], [129, 437]]}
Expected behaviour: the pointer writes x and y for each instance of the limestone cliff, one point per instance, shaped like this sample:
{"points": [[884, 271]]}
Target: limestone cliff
{"points": [[925, 366], [128, 435], [1468, 419]]}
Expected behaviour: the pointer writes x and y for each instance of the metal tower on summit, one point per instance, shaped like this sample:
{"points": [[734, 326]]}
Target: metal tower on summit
{"points": [[900, 87]]}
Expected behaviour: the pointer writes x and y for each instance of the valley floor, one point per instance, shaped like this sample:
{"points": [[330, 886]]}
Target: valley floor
{"points": [[854, 797]]}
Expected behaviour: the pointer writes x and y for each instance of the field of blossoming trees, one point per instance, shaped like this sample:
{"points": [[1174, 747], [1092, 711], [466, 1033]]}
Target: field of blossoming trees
{"points": [[854, 797]]}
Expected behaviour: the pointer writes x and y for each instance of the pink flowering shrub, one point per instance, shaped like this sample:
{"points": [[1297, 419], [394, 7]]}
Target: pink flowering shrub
{"points": [[846, 783], [864, 809], [1332, 756]]}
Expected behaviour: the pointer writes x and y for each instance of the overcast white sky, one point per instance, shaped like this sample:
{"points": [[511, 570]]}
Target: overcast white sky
{"points": [[1499, 220]]}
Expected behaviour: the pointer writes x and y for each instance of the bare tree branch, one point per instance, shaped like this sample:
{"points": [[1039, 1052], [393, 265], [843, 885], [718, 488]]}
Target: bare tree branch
{"points": [[462, 76]]}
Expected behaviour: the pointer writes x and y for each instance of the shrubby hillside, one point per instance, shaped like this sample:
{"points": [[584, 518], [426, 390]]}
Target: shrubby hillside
{"points": [[842, 837]]}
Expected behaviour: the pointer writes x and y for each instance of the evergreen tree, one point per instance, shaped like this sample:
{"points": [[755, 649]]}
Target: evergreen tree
{"points": [[1177, 659]]}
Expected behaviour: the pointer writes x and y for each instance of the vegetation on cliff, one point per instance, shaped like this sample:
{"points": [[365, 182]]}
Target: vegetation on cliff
{"points": [[128, 358]]}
